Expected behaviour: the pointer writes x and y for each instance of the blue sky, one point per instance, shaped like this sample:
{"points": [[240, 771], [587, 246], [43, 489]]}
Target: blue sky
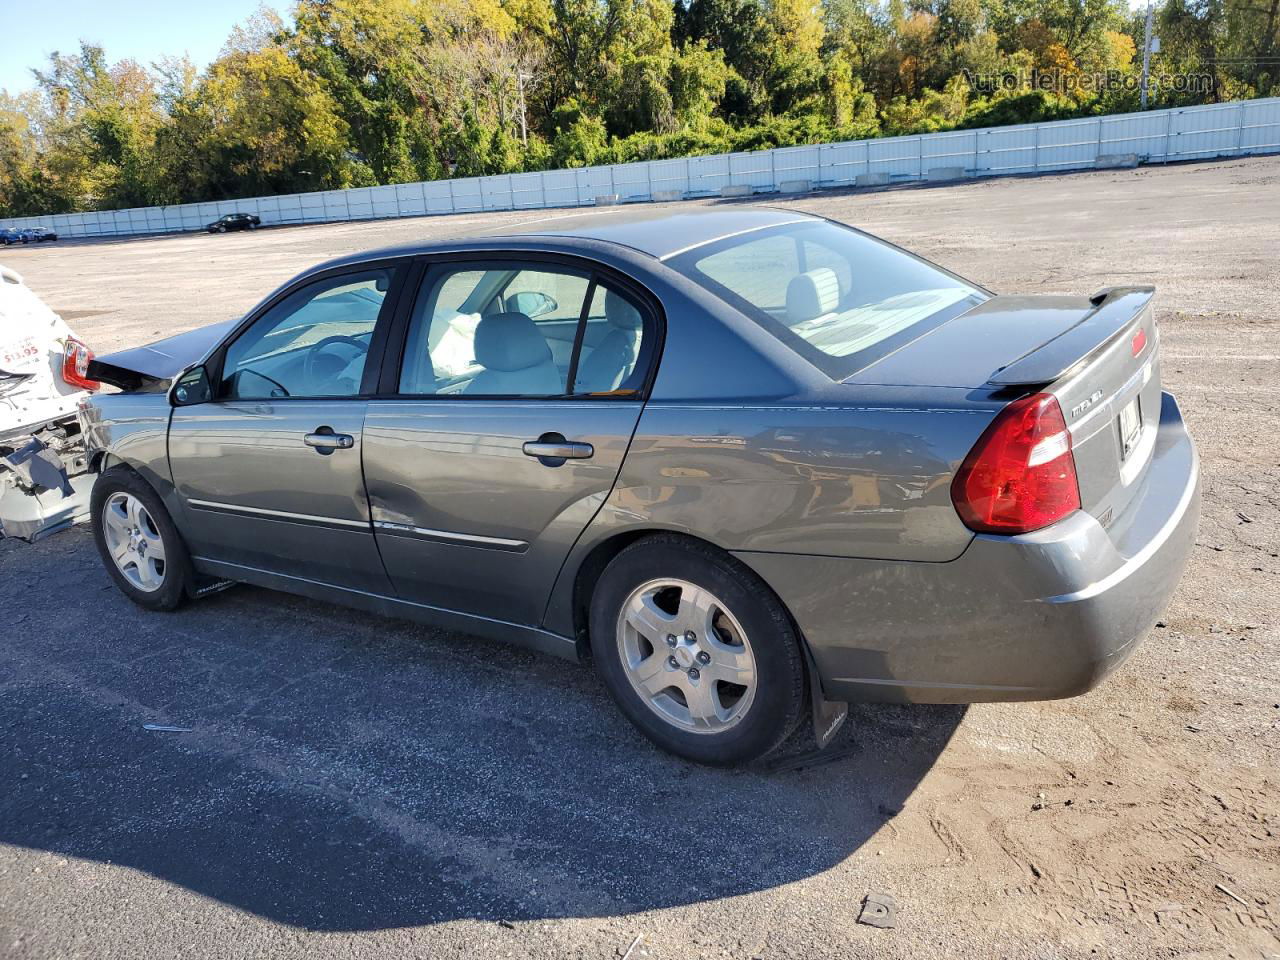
{"points": [[143, 30]]}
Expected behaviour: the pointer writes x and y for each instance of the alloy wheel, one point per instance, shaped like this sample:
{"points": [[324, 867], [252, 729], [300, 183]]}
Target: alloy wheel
{"points": [[686, 655], [134, 541]]}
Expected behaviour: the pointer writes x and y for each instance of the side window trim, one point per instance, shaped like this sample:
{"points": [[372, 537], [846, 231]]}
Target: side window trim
{"points": [[579, 335], [417, 284], [402, 271], [409, 272]]}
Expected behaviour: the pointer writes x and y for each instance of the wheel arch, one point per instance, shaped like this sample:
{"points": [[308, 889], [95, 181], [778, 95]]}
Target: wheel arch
{"points": [[103, 460], [602, 553], [588, 573], [100, 461]]}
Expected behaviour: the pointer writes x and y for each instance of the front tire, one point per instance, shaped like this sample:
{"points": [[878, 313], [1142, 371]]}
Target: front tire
{"points": [[697, 651], [138, 542]]}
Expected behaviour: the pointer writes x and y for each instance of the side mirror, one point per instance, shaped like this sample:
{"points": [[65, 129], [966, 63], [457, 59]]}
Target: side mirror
{"points": [[531, 303], [191, 387]]}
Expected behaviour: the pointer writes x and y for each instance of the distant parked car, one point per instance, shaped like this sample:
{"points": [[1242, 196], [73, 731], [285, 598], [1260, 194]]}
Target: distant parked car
{"points": [[30, 235], [234, 221], [10, 235]]}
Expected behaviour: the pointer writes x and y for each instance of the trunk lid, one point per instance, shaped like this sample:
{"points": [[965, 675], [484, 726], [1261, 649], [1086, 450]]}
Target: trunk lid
{"points": [[1097, 355]]}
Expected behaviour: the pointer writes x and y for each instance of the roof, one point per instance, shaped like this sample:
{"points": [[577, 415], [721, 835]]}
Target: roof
{"points": [[660, 233]]}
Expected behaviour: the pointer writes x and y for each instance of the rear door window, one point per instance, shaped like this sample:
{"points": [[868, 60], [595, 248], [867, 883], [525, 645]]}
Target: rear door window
{"points": [[523, 330], [614, 340], [494, 330]]}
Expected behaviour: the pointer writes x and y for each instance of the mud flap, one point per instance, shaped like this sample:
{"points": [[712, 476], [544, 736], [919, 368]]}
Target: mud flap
{"points": [[208, 586], [828, 715]]}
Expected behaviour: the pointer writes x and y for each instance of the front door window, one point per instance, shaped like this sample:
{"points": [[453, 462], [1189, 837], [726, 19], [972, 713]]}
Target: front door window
{"points": [[312, 344]]}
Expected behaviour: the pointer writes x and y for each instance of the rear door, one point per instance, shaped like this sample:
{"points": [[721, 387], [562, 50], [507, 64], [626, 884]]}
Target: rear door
{"points": [[502, 429], [269, 471]]}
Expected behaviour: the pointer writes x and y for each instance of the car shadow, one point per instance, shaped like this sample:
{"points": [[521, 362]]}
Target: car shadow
{"points": [[338, 772]]}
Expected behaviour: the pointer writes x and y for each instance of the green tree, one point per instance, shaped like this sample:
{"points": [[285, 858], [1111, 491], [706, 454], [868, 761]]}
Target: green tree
{"points": [[795, 72], [355, 92], [698, 81], [740, 30]]}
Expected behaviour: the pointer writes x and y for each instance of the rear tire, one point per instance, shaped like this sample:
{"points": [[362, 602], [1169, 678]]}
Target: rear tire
{"points": [[138, 542], [730, 688]]}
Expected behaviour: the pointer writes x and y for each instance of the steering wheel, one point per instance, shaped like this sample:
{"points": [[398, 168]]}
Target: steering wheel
{"points": [[310, 362]]}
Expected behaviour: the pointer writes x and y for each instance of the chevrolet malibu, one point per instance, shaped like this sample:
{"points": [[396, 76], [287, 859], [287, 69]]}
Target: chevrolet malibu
{"points": [[753, 464]]}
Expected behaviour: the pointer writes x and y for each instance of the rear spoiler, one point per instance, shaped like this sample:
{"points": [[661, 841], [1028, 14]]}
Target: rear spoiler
{"points": [[1113, 310]]}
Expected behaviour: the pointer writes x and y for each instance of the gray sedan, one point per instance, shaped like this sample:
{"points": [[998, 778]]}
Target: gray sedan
{"points": [[753, 464]]}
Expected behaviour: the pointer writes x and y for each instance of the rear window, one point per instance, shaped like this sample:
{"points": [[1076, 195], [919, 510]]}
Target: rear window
{"points": [[838, 297]]}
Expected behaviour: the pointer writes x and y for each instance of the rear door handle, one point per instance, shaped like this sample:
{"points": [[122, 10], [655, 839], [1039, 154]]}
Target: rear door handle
{"points": [[325, 441], [553, 449]]}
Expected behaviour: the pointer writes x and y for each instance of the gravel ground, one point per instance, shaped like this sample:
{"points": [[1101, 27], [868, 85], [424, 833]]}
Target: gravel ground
{"points": [[364, 788]]}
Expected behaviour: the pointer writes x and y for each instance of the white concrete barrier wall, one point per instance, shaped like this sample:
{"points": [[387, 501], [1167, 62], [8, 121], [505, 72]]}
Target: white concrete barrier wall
{"points": [[1159, 136]]}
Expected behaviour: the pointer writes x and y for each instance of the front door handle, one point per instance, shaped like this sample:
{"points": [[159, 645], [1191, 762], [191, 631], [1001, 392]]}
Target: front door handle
{"points": [[552, 449], [325, 441]]}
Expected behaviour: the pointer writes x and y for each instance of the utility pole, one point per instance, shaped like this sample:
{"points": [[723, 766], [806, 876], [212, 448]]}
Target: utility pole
{"points": [[1146, 57], [524, 132]]}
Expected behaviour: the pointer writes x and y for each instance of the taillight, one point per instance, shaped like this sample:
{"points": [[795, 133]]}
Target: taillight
{"points": [[1139, 342], [75, 365], [1020, 476]]}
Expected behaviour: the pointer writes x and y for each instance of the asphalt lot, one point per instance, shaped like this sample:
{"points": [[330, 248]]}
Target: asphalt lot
{"points": [[358, 787]]}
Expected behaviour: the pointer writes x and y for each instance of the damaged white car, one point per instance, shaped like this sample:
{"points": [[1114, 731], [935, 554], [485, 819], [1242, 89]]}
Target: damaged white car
{"points": [[44, 480]]}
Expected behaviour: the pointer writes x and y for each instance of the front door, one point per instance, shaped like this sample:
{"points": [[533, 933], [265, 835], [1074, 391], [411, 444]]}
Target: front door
{"points": [[517, 395], [269, 471]]}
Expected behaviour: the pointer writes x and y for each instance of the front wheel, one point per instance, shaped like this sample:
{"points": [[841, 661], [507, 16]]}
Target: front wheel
{"points": [[697, 651], [138, 542]]}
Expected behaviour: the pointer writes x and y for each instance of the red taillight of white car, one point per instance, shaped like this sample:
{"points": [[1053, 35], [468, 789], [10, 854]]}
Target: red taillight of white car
{"points": [[1021, 475], [75, 365]]}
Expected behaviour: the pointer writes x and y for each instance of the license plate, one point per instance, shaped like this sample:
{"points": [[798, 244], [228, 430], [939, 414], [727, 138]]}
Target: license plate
{"points": [[1130, 426]]}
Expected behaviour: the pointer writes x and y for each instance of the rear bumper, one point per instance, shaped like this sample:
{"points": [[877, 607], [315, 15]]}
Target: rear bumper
{"points": [[1033, 617], [35, 502]]}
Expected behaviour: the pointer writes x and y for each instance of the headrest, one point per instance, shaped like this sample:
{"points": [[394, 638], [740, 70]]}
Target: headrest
{"points": [[510, 341], [812, 294], [619, 311]]}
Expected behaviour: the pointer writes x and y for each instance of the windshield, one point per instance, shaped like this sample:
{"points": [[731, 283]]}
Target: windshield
{"points": [[836, 296]]}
